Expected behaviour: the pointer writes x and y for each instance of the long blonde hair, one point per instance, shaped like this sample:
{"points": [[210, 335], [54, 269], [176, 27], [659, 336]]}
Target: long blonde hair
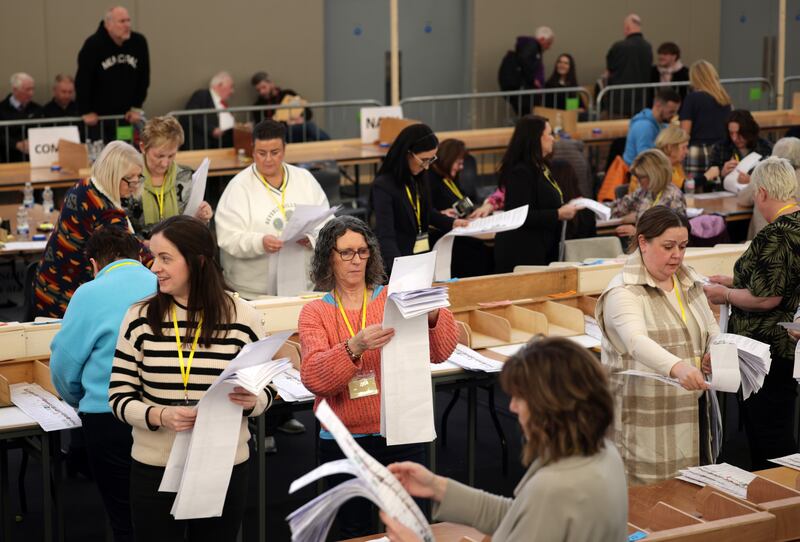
{"points": [[112, 164], [703, 76], [669, 138], [654, 165]]}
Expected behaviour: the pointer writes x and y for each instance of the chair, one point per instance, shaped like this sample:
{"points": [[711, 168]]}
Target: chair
{"points": [[577, 250], [474, 185]]}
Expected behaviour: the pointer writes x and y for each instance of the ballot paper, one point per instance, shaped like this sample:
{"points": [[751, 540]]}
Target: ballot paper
{"points": [[201, 460], [592, 328], [644, 374], [198, 191], [796, 369], [290, 386], [496, 223], [791, 461], [731, 182], [50, 412], [467, 358], [724, 477], [692, 212], [602, 212], [290, 276], [312, 521], [713, 195], [444, 367], [406, 388], [754, 360], [725, 375], [724, 316]]}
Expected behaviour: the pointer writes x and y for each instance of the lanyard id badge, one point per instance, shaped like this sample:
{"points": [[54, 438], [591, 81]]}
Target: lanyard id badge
{"points": [[362, 385], [421, 244]]}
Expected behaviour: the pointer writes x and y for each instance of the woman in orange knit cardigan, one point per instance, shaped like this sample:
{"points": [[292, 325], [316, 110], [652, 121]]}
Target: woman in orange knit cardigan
{"points": [[342, 336]]}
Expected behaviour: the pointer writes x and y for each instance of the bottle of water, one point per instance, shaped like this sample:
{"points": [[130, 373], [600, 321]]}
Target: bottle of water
{"points": [[47, 200], [688, 186], [23, 228], [27, 195], [558, 127]]}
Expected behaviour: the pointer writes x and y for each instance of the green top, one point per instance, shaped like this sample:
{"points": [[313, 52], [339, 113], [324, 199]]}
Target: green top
{"points": [[770, 267]]}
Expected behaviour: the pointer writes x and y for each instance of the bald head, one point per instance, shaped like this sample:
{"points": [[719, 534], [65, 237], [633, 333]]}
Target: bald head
{"points": [[632, 24], [117, 22]]}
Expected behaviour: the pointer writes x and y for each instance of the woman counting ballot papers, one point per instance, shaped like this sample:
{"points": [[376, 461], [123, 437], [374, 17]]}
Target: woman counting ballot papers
{"points": [[655, 318], [171, 347], [341, 338], [525, 175], [574, 489]]}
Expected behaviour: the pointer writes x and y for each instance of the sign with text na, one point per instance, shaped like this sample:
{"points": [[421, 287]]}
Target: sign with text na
{"points": [[371, 121]]}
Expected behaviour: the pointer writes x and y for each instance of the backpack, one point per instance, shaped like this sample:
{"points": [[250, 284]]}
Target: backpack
{"points": [[510, 74]]}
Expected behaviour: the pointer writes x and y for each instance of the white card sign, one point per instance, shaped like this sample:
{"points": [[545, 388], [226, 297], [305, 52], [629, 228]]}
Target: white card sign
{"points": [[43, 143], [371, 121]]}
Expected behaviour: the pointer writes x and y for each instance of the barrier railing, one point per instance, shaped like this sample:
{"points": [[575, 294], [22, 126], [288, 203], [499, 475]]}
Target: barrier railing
{"points": [[14, 133], [623, 101], [341, 120], [791, 85], [489, 109]]}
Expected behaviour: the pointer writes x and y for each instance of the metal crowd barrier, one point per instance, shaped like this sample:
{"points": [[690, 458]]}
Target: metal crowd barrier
{"points": [[791, 85], [489, 109], [341, 120], [13, 131], [624, 101]]}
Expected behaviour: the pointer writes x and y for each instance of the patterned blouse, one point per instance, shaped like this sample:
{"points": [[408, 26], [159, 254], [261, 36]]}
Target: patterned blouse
{"points": [[642, 200]]}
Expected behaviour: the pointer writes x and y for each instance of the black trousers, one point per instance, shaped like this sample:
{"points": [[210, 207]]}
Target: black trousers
{"points": [[153, 522], [769, 416], [357, 516], [108, 445]]}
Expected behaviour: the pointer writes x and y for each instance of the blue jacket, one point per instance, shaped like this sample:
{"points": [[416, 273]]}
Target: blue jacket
{"points": [[82, 352], [642, 132]]}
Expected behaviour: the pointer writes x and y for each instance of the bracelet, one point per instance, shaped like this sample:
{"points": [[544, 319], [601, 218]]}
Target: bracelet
{"points": [[350, 352], [728, 296], [161, 416]]}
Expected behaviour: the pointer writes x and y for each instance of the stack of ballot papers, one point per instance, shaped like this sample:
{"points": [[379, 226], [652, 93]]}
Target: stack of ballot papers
{"points": [[201, 460], [470, 360], [754, 360], [791, 461], [416, 302], [50, 412], [725, 477], [312, 521], [290, 387]]}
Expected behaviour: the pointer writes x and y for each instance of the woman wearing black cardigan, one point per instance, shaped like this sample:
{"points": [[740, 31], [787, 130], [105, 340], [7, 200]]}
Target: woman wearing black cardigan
{"points": [[400, 198], [527, 179]]}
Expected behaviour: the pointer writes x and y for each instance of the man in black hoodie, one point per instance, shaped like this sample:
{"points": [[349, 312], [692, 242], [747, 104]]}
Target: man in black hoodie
{"points": [[113, 72], [628, 62]]}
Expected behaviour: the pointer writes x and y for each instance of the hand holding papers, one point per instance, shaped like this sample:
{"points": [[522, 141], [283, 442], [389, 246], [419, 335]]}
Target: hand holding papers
{"points": [[496, 223], [731, 182], [199, 178], [200, 463], [602, 212], [291, 280], [406, 389], [373, 481]]}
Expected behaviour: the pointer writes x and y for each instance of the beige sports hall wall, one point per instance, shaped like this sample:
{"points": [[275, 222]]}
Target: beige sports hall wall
{"points": [[191, 40]]}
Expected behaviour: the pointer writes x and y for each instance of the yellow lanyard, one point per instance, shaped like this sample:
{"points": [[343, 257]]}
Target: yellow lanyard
{"points": [[160, 195], [115, 266], [677, 289], [658, 197], [736, 156], [549, 177], [282, 203], [453, 188], [417, 208], [782, 209], [344, 315], [185, 371]]}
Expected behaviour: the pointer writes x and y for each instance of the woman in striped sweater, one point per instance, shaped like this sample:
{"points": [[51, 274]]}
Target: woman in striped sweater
{"points": [[341, 338], [159, 374]]}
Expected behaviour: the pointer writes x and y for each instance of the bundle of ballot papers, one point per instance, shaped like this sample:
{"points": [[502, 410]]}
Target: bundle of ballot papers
{"points": [[470, 360], [415, 302], [725, 477], [791, 461], [754, 360], [312, 521], [290, 387]]}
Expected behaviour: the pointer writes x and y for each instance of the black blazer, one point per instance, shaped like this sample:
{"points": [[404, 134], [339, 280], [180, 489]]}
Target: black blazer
{"points": [[199, 128], [536, 242], [394, 218]]}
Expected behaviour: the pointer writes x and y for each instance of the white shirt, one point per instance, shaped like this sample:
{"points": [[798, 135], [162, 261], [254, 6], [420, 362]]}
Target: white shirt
{"points": [[247, 212], [226, 120]]}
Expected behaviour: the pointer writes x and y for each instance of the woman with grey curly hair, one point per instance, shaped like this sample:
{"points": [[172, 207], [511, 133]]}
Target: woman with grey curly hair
{"points": [[341, 336]]}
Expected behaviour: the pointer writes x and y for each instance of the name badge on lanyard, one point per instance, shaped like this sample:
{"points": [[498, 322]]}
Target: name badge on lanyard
{"points": [[421, 244], [362, 385]]}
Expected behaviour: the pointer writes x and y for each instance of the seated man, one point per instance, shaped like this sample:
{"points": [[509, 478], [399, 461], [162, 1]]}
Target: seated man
{"points": [[212, 130], [300, 127], [82, 354], [18, 105], [63, 103]]}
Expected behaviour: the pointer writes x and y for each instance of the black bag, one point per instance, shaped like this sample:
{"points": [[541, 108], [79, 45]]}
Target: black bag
{"points": [[509, 76]]}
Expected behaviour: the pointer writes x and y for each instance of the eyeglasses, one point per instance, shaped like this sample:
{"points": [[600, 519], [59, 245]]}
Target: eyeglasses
{"points": [[133, 181], [348, 254], [425, 162]]}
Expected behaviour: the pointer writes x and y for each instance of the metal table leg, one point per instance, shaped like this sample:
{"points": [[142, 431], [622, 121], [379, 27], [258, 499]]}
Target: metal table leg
{"points": [[472, 420], [5, 501], [47, 502], [261, 432]]}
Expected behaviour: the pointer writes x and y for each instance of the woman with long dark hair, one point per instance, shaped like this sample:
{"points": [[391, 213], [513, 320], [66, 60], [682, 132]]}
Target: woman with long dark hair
{"points": [[400, 199], [171, 347], [525, 175], [563, 76]]}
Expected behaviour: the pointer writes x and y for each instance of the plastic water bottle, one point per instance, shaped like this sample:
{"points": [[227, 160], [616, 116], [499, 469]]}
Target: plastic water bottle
{"points": [[47, 200], [558, 127], [688, 186], [23, 228], [27, 195]]}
